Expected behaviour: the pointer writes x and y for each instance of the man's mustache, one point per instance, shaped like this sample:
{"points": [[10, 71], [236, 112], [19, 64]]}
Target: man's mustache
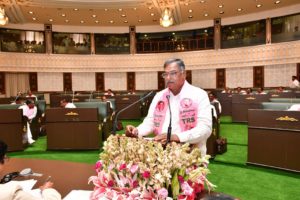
{"points": [[170, 82]]}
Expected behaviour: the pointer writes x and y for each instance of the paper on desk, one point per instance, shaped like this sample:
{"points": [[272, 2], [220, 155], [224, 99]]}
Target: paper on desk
{"points": [[26, 185], [78, 194]]}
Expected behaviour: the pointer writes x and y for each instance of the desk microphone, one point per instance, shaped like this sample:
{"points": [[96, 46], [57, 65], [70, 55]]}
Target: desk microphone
{"points": [[170, 123], [130, 105]]}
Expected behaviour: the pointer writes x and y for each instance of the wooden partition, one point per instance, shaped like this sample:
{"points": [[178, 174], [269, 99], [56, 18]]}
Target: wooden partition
{"points": [[134, 112], [225, 100], [70, 129], [274, 139]]}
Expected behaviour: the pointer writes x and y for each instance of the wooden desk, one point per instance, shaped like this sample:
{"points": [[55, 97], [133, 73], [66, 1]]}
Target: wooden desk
{"points": [[225, 100], [11, 126], [241, 104], [66, 176], [69, 129], [134, 112], [274, 139]]}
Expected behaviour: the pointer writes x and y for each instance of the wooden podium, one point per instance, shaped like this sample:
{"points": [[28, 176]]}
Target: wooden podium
{"points": [[72, 129], [274, 139], [11, 126]]}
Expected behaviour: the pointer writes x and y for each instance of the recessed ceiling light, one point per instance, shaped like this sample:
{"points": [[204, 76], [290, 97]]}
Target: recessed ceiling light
{"points": [[96, 21], [66, 20], [63, 14], [152, 14], [94, 16], [134, 8], [125, 21], [75, 9], [150, 7], [239, 9], [105, 9], [190, 10], [30, 12], [220, 6], [186, 4], [50, 20], [206, 15], [111, 21], [221, 12], [173, 33], [33, 18], [139, 20], [190, 17], [123, 15], [258, 5], [120, 9], [82, 21], [202, 1], [277, 2]]}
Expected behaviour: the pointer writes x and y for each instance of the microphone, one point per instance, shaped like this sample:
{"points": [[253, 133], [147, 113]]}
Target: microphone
{"points": [[170, 123], [130, 105], [73, 96]]}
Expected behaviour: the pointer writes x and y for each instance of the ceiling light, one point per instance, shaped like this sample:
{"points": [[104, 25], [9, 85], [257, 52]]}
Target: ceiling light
{"points": [[220, 6], [123, 15], [94, 16], [96, 21], [277, 2], [30, 12], [63, 15], [125, 21], [134, 8], [66, 20], [3, 17], [186, 4], [221, 12], [33, 18], [150, 8], [152, 14], [82, 21], [239, 9], [111, 21], [50, 20], [258, 5], [120, 9], [202, 1], [75, 9], [166, 19], [139, 20], [206, 15], [190, 10], [105, 9]]}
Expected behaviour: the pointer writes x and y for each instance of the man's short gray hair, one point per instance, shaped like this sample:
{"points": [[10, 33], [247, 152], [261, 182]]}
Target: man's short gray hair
{"points": [[178, 61]]}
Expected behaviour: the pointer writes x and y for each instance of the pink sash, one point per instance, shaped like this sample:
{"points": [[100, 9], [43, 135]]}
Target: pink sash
{"points": [[188, 112]]}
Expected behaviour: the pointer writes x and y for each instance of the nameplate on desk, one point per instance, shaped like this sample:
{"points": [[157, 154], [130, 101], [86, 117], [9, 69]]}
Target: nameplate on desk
{"points": [[250, 98], [286, 118], [125, 98], [75, 99], [71, 114], [275, 95]]}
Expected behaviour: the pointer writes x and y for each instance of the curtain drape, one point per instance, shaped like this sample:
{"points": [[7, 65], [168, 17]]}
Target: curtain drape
{"points": [[16, 82]]}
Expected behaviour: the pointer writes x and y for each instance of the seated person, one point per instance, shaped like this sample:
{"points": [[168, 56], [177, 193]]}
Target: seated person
{"points": [[29, 111], [260, 90], [249, 91], [131, 91], [29, 94], [227, 90], [17, 101], [295, 107], [67, 104], [12, 191], [109, 93], [295, 83], [239, 91]]}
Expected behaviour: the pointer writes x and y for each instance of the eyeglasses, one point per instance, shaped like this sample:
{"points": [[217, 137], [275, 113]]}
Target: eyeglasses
{"points": [[171, 74]]}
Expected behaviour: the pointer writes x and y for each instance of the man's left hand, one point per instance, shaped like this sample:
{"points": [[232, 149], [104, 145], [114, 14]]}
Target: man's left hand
{"points": [[163, 138]]}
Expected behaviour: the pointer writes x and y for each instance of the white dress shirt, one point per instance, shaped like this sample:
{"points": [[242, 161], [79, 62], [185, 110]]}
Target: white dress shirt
{"points": [[197, 135]]}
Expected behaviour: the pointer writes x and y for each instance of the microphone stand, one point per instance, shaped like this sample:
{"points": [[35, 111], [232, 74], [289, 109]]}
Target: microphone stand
{"points": [[115, 123], [170, 123]]}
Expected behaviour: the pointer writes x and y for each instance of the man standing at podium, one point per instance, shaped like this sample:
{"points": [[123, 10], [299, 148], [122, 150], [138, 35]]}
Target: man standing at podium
{"points": [[191, 119]]}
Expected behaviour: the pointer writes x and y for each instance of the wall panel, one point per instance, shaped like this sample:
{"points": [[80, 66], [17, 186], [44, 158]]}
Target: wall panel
{"points": [[50, 81], [204, 78], [146, 80], [115, 81], [83, 81], [279, 75], [242, 77]]}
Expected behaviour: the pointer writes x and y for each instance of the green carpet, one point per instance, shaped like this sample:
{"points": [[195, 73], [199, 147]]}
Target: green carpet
{"points": [[228, 171]]}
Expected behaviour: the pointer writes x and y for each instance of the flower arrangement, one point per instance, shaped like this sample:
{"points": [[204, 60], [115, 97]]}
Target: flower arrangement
{"points": [[135, 168]]}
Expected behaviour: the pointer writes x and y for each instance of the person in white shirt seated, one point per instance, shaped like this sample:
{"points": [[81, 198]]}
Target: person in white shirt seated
{"points": [[29, 111], [214, 101], [295, 82], [295, 107], [260, 90], [13, 191], [66, 104], [30, 95], [109, 93]]}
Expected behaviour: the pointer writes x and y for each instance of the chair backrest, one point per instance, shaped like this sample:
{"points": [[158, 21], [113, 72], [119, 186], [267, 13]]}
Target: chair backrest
{"points": [[285, 100], [103, 107], [276, 105], [10, 106]]}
